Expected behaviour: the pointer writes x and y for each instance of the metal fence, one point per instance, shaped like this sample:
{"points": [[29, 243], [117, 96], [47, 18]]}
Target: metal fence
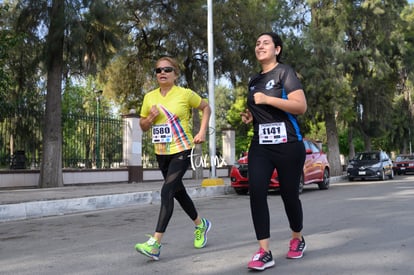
{"points": [[20, 139], [88, 142], [149, 159]]}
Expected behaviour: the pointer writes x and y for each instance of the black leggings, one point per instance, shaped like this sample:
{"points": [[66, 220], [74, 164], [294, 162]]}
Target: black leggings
{"points": [[288, 159], [173, 168]]}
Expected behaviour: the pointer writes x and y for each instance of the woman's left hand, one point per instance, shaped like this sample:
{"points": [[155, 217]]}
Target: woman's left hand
{"points": [[199, 138]]}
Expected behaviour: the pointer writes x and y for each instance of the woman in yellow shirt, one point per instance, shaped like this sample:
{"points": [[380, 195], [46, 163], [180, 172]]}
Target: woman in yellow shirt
{"points": [[167, 112]]}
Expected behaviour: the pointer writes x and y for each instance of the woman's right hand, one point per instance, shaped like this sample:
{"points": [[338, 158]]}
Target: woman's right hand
{"points": [[153, 113], [246, 116], [146, 122]]}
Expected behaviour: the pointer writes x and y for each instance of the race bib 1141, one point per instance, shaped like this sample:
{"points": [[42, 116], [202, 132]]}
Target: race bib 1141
{"points": [[272, 133]]}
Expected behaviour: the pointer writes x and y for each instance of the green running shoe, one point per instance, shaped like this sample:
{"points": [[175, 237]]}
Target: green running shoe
{"points": [[150, 248], [200, 233]]}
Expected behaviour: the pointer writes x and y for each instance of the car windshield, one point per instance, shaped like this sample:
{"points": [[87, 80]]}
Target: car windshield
{"points": [[405, 158], [368, 156]]}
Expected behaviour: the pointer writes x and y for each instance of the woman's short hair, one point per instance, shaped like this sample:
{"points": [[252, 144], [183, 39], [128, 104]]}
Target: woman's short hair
{"points": [[172, 61]]}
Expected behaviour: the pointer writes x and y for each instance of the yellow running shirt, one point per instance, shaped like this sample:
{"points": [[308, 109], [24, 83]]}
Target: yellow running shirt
{"points": [[175, 113]]}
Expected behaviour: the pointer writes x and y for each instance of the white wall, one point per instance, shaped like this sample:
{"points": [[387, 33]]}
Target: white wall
{"points": [[29, 178]]}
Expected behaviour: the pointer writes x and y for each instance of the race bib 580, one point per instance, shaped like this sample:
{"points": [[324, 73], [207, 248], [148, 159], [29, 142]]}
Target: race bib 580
{"points": [[161, 133]]}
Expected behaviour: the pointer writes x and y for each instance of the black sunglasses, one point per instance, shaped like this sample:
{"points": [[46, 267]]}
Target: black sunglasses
{"points": [[165, 69]]}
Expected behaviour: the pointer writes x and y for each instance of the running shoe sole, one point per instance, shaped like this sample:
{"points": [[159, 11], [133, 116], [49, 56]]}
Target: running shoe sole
{"points": [[145, 253], [266, 265], [300, 256]]}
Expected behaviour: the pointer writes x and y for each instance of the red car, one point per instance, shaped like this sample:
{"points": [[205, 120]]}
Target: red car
{"points": [[403, 164], [315, 170]]}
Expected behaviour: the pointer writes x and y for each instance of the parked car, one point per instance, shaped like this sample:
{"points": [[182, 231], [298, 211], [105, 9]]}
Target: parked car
{"points": [[370, 165], [316, 170], [403, 164]]}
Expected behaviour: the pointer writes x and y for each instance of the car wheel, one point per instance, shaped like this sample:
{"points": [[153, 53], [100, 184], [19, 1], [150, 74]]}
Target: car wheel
{"points": [[324, 184], [301, 184], [382, 175], [241, 191], [350, 178]]}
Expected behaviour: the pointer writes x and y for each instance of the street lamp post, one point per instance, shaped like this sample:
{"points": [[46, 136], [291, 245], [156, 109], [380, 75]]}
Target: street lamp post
{"points": [[98, 136], [211, 99], [213, 180]]}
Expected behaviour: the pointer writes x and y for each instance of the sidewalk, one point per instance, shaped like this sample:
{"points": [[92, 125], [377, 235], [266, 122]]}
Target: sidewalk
{"points": [[20, 204]]}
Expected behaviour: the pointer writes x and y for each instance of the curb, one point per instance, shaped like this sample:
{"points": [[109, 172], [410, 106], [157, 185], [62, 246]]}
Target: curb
{"points": [[47, 208]]}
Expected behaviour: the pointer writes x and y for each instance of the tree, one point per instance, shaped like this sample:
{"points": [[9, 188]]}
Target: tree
{"points": [[372, 50], [400, 135], [349, 69], [80, 37], [8, 41], [326, 86], [51, 165]]}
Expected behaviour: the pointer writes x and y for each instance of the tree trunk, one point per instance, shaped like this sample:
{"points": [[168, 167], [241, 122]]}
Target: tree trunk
{"points": [[367, 142], [333, 145], [51, 166], [198, 150], [351, 145]]}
